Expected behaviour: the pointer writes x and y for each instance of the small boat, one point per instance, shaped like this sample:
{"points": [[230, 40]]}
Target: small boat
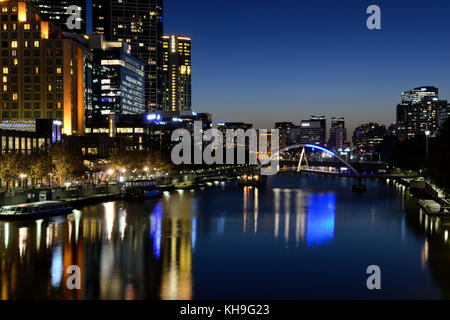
{"points": [[184, 185], [37, 210], [142, 189]]}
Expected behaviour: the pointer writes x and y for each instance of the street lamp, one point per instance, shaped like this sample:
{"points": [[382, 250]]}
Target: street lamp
{"points": [[427, 134], [23, 177]]}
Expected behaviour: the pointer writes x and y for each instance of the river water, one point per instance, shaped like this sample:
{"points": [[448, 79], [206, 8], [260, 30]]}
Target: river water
{"points": [[301, 237]]}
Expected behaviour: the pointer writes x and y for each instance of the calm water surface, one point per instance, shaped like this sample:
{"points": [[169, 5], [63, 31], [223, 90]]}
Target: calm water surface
{"points": [[301, 237]]}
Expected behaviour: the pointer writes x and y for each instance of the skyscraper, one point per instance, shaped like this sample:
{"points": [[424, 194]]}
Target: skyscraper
{"points": [[177, 73], [118, 80], [42, 71], [57, 12], [421, 111], [338, 134], [323, 127], [140, 24]]}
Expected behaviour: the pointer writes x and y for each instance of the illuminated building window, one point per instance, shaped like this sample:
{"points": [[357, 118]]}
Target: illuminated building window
{"points": [[5, 70], [5, 88], [4, 9], [36, 44], [5, 79], [15, 96], [13, 44], [59, 70], [26, 26]]}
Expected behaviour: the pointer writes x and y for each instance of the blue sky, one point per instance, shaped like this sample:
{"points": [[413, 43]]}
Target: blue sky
{"points": [[263, 61]]}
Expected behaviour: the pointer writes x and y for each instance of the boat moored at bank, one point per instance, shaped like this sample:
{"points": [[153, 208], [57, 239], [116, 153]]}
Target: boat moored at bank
{"points": [[37, 210]]}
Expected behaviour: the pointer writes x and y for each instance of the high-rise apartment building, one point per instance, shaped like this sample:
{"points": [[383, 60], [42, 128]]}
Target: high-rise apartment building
{"points": [[139, 24], [118, 81], [177, 73], [367, 136], [42, 71], [58, 12], [421, 110]]}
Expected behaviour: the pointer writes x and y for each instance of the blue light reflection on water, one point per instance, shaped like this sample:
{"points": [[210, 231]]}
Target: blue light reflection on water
{"points": [[320, 217], [156, 229]]}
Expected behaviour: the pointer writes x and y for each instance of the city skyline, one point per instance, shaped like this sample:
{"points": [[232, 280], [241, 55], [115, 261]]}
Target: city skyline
{"points": [[361, 78]]}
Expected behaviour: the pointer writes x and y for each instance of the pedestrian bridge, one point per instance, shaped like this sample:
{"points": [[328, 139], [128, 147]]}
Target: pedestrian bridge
{"points": [[313, 148]]}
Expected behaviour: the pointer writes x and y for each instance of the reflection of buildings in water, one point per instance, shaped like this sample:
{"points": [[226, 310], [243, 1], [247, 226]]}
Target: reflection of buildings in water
{"points": [[300, 217], [177, 240], [35, 254], [287, 214], [276, 200], [245, 207]]}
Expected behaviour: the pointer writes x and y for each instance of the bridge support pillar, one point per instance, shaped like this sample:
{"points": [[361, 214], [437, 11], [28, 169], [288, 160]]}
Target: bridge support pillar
{"points": [[360, 187]]}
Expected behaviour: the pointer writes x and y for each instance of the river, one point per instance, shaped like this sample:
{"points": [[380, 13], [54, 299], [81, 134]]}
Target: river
{"points": [[300, 237]]}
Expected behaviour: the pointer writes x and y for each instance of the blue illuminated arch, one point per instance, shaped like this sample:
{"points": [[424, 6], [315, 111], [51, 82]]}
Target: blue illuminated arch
{"points": [[311, 146]]}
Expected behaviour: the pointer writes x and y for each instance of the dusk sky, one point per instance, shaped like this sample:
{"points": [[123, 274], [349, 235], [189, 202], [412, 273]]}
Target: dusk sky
{"points": [[263, 61]]}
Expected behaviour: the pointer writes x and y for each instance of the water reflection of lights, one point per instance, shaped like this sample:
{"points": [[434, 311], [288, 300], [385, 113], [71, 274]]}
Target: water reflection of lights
{"points": [[110, 216], [57, 266], [38, 233], [194, 232], [23, 235], [122, 224], [287, 213], [155, 229], [77, 218], [256, 210], [424, 256], [321, 211], [6, 236], [245, 208], [300, 226], [277, 211], [49, 235], [446, 235]]}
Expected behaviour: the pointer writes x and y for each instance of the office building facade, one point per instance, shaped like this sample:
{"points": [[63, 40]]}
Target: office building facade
{"points": [[42, 71], [59, 12], [139, 24], [309, 132], [338, 134], [177, 92], [323, 127], [118, 80]]}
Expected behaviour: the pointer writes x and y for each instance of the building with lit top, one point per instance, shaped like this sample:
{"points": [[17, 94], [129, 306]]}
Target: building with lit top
{"points": [[139, 24], [177, 94], [27, 137], [118, 80], [42, 71], [308, 132], [56, 11], [421, 111]]}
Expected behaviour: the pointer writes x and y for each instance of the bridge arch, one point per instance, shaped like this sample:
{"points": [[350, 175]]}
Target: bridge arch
{"points": [[310, 146]]}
